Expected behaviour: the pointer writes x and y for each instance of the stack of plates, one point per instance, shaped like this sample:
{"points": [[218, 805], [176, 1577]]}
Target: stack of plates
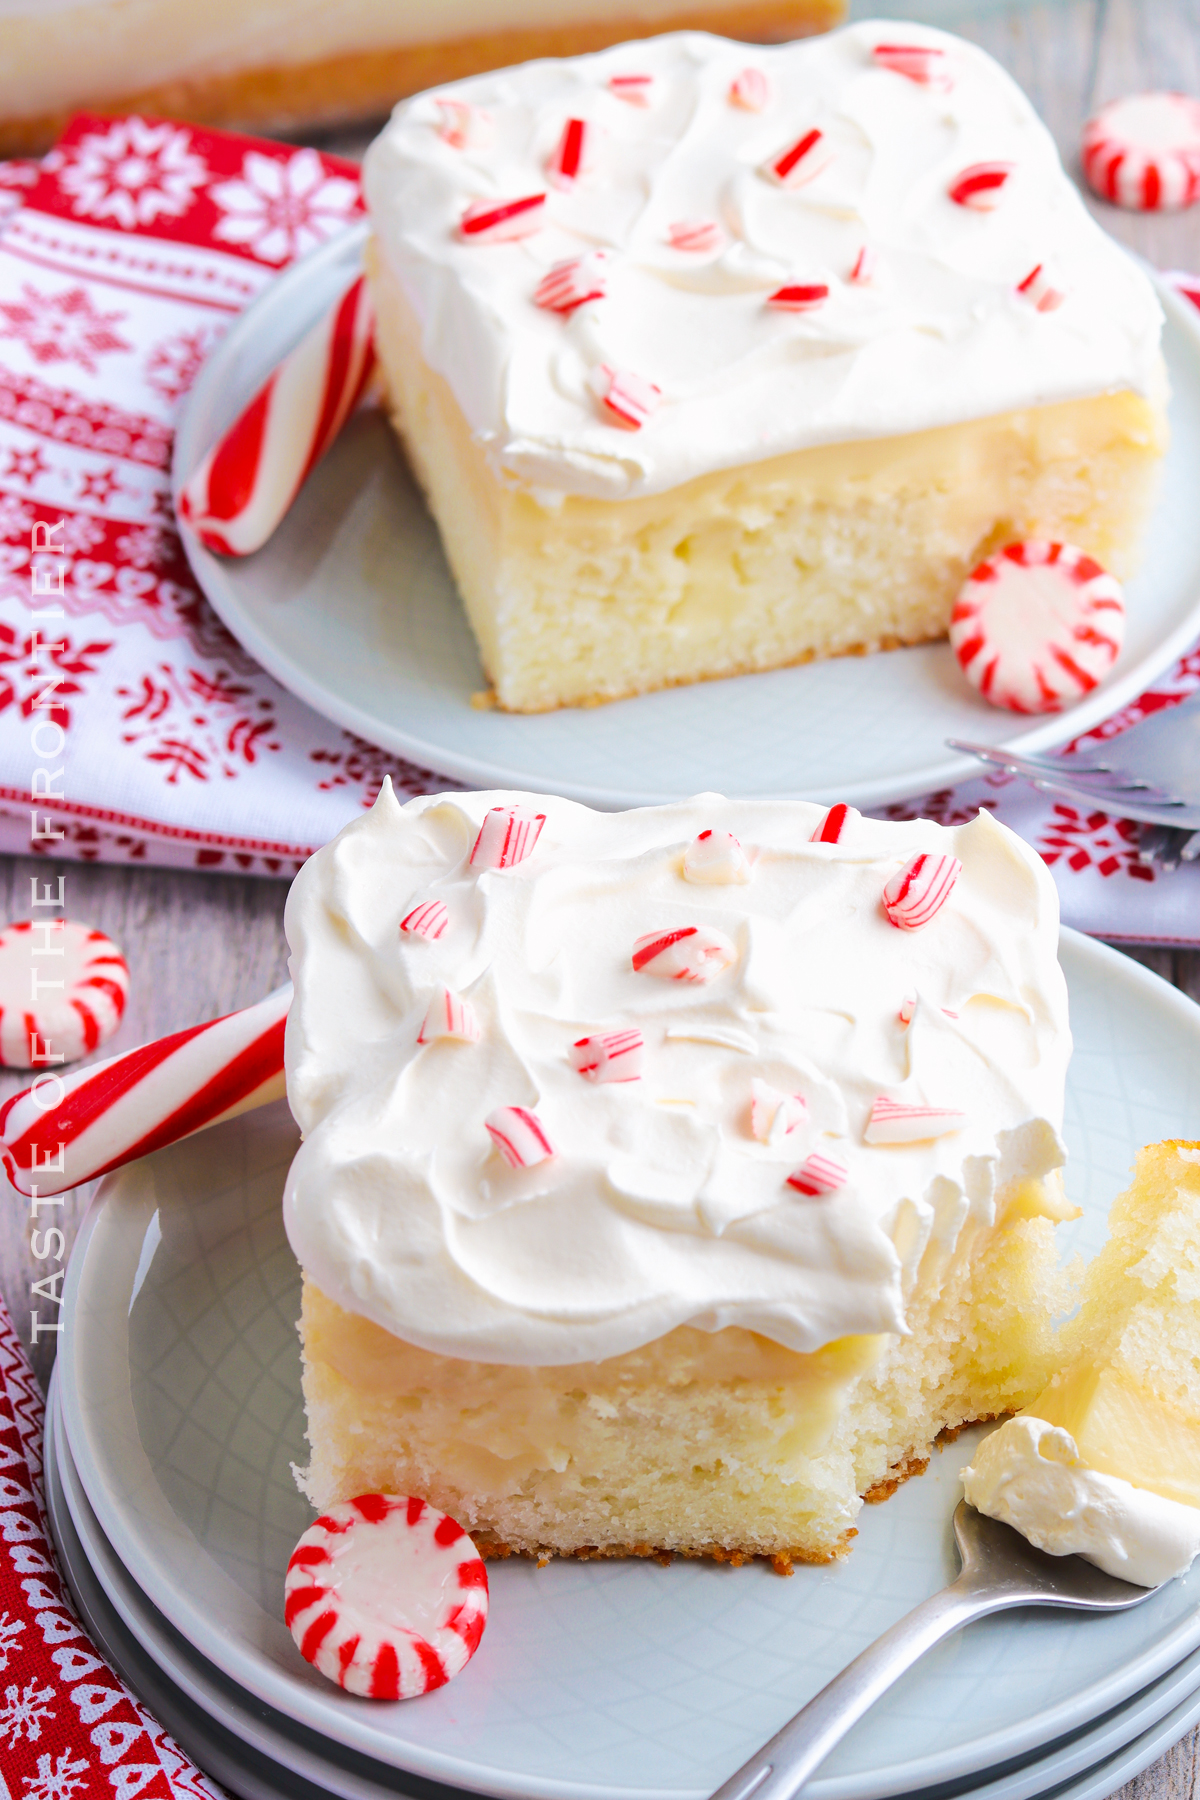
{"points": [[176, 1416]]}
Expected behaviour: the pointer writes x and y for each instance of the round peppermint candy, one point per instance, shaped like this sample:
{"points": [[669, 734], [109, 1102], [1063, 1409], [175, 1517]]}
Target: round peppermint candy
{"points": [[386, 1596], [63, 989], [1037, 626], [1144, 152]]}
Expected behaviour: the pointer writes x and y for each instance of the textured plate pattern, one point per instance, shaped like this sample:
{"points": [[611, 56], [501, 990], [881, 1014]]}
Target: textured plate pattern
{"points": [[180, 1395], [351, 606]]}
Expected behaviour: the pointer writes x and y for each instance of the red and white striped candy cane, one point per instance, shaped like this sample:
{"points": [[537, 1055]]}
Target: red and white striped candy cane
{"points": [[248, 480], [69, 1129]]}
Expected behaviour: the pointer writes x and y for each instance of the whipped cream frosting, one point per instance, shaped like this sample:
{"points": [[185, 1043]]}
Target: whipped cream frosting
{"points": [[661, 1207], [938, 335], [1029, 1475]]}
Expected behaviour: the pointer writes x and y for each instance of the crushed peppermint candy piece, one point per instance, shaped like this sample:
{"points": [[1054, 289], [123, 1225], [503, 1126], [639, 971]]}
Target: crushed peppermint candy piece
{"points": [[449, 1016], [774, 1115], [1143, 152], [464, 127], [980, 188], [638, 88], [799, 297], [507, 836], [628, 399], [429, 919], [866, 266], [926, 64], [830, 830], [386, 1596], [503, 221], [819, 1174], [750, 90], [1042, 293], [908, 1007], [715, 857], [918, 891], [1037, 626], [609, 1055], [694, 953], [519, 1136], [573, 283], [897, 1122], [801, 162], [572, 154], [702, 237]]}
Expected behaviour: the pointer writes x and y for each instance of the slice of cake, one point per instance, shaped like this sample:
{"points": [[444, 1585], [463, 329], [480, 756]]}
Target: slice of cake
{"points": [[671, 1178], [1105, 1463], [710, 362], [285, 64]]}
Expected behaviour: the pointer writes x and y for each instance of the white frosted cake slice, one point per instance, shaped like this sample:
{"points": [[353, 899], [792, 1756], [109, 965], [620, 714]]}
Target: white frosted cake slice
{"points": [[672, 1178], [754, 369]]}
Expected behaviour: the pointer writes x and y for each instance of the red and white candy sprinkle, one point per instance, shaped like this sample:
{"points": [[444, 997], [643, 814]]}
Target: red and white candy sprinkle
{"points": [[1143, 152], [508, 835], [628, 399], [801, 162], [980, 188], [1037, 626], [897, 1122], [799, 297], [519, 1136], [714, 858], [830, 830], [925, 64], [750, 90], [694, 953], [908, 1007], [464, 127], [609, 1055], [386, 1596], [637, 88], [701, 237], [774, 1115], [1042, 292], [429, 919], [572, 154], [918, 892], [503, 221], [449, 1016], [866, 266], [62, 992], [573, 283], [819, 1174]]}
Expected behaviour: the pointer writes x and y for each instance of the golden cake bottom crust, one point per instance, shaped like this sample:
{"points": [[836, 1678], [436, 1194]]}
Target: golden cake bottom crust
{"points": [[720, 1444], [836, 550], [367, 83]]}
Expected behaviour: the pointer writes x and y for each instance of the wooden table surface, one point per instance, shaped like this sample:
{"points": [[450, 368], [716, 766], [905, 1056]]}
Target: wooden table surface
{"points": [[201, 945]]}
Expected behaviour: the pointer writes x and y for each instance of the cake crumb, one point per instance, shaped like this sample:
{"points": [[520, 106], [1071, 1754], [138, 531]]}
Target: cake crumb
{"points": [[484, 700]]}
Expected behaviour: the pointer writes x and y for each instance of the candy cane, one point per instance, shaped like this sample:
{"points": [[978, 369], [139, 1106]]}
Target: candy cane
{"points": [[248, 480]]}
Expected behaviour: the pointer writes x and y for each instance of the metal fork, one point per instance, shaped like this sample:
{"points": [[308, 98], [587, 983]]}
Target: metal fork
{"points": [[1150, 773]]}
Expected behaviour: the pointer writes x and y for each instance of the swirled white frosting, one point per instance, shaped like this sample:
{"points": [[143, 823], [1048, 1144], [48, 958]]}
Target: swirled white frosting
{"points": [[660, 1207], [1029, 1475], [940, 335]]}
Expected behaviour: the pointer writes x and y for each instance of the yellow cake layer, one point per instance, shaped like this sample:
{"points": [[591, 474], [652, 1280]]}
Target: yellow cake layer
{"points": [[829, 551], [1129, 1393], [723, 1443]]}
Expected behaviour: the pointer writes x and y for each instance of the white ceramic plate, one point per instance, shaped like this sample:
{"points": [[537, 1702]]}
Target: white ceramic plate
{"points": [[352, 607], [261, 1753], [599, 1681]]}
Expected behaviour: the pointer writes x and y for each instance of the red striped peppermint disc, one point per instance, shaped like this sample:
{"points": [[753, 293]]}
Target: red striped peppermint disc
{"points": [[1144, 152], [62, 992], [1037, 626], [609, 1055], [386, 1596], [248, 480], [980, 188], [918, 891], [898, 1122], [819, 1174], [519, 1136], [693, 953]]}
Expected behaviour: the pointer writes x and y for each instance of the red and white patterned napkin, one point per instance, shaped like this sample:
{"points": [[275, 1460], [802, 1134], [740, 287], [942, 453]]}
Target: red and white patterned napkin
{"points": [[127, 252], [69, 1727]]}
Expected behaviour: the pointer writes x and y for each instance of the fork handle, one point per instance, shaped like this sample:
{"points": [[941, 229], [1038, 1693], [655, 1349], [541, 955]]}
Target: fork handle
{"points": [[781, 1767]]}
